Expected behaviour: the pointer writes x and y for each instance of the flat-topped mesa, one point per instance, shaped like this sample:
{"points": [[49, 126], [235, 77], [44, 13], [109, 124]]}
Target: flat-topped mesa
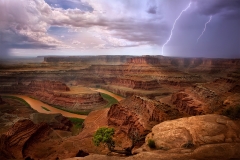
{"points": [[144, 60], [49, 85], [135, 84], [60, 95], [89, 59], [138, 114]]}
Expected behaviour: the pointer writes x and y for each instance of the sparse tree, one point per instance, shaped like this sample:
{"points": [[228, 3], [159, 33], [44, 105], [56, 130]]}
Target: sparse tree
{"points": [[104, 135]]}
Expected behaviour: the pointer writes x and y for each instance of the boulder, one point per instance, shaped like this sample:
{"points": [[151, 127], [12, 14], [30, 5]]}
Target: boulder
{"points": [[195, 131]]}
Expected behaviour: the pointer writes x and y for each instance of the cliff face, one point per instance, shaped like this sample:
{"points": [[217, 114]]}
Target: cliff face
{"points": [[20, 135], [144, 60], [135, 84], [48, 85], [205, 98], [138, 114], [188, 104]]}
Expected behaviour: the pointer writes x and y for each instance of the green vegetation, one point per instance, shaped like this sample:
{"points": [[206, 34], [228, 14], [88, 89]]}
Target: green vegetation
{"points": [[70, 111], [232, 112], [151, 143], [104, 135], [45, 108], [110, 100], [77, 125], [18, 99], [77, 122]]}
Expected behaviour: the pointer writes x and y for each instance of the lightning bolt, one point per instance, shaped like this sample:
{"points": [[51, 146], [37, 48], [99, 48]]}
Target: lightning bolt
{"points": [[210, 18], [174, 25]]}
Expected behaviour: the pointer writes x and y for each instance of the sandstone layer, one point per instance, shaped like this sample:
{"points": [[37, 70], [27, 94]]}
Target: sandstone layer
{"points": [[211, 97]]}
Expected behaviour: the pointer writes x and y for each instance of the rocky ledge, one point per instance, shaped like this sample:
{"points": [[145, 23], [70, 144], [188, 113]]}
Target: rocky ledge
{"points": [[138, 114]]}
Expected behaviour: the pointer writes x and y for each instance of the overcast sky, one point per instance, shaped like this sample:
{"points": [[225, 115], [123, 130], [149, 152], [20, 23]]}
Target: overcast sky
{"points": [[122, 27]]}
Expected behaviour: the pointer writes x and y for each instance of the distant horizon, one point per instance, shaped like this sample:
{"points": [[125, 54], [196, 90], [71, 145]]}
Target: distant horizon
{"points": [[42, 56]]}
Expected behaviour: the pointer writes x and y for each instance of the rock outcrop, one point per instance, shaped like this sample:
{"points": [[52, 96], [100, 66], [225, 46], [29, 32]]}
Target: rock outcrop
{"points": [[197, 130], [135, 84], [138, 114], [144, 60], [19, 137], [48, 85], [188, 104]]}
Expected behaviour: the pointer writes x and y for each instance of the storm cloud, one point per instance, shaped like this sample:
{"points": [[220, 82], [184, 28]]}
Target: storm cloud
{"points": [[89, 24]]}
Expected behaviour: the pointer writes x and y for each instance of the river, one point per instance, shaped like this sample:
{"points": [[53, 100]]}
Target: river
{"points": [[37, 105]]}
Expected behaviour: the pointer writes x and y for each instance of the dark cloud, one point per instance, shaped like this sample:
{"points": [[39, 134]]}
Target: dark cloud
{"points": [[151, 33], [226, 8], [152, 10], [33, 24]]}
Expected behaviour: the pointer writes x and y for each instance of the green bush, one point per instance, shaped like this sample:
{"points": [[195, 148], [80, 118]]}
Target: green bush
{"points": [[151, 143], [232, 112], [104, 135]]}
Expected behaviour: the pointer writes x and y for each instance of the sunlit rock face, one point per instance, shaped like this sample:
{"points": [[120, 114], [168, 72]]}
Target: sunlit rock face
{"points": [[138, 114]]}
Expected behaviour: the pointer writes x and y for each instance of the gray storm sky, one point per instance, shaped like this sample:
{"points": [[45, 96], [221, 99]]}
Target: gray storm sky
{"points": [[121, 27]]}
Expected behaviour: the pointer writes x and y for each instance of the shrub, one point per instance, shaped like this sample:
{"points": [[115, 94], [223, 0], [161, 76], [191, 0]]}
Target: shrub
{"points": [[151, 143], [104, 135]]}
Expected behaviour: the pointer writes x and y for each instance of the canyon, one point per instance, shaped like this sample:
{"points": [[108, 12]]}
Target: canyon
{"points": [[58, 94], [176, 102]]}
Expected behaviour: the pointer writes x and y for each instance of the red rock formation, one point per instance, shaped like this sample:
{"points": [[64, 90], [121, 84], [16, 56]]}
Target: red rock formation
{"points": [[18, 137], [136, 84], [48, 85], [137, 114], [144, 60], [185, 103]]}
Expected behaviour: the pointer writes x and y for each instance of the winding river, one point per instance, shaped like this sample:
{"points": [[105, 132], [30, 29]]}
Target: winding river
{"points": [[39, 105]]}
